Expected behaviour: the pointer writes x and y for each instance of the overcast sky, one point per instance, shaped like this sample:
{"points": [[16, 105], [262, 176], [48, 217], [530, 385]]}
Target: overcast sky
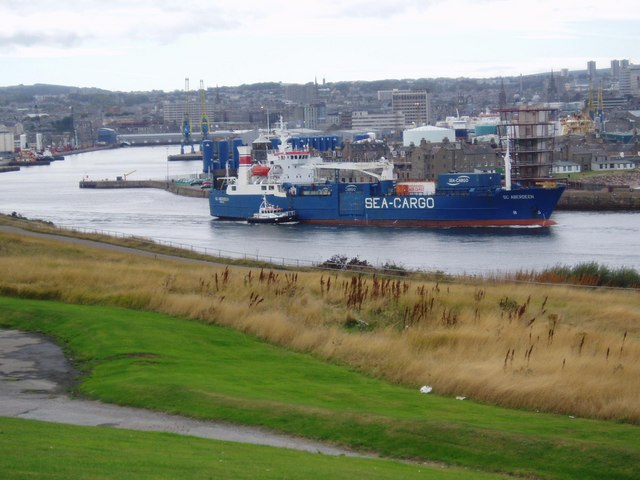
{"points": [[139, 45]]}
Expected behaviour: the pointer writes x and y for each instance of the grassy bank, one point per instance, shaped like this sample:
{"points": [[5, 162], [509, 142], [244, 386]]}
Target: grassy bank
{"points": [[539, 347], [151, 360], [60, 452]]}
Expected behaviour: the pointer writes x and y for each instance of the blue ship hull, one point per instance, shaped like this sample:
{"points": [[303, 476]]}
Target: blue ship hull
{"points": [[376, 204]]}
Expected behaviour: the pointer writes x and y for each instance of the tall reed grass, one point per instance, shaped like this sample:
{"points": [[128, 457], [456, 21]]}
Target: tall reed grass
{"points": [[547, 347], [589, 274]]}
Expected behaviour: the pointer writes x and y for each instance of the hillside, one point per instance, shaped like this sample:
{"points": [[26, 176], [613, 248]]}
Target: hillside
{"points": [[341, 357]]}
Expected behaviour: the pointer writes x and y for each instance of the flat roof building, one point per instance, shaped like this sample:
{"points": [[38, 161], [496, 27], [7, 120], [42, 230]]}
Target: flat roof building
{"points": [[413, 104], [427, 133]]}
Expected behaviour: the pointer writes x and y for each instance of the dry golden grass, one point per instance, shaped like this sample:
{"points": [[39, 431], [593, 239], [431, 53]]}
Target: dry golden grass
{"points": [[553, 348]]}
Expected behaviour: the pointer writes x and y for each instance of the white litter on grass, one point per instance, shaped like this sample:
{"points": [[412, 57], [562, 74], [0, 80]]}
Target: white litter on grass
{"points": [[426, 389]]}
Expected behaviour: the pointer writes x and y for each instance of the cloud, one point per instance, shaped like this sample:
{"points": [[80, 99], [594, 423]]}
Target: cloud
{"points": [[287, 40], [385, 10], [36, 39], [76, 23]]}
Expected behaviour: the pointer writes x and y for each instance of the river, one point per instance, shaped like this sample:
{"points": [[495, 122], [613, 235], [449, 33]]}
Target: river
{"points": [[52, 193]]}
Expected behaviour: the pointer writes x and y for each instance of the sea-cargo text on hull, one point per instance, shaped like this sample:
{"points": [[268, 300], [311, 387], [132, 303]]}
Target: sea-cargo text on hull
{"points": [[397, 202]]}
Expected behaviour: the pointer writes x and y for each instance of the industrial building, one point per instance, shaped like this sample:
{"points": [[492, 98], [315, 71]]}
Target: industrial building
{"points": [[174, 112], [7, 144], [377, 122], [107, 136], [428, 133]]}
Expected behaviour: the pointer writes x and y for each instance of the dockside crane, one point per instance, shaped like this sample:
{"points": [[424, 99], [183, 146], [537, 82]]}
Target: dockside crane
{"points": [[600, 106], [125, 175], [186, 120], [204, 120], [590, 108]]}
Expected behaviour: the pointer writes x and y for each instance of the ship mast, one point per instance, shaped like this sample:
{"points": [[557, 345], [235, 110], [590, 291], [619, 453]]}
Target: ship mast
{"points": [[507, 166]]}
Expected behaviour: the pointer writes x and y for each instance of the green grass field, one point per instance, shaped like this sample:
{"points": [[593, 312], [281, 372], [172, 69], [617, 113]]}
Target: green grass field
{"points": [[50, 451], [155, 361]]}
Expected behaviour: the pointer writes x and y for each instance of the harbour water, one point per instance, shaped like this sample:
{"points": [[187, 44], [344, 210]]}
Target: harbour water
{"points": [[52, 193]]}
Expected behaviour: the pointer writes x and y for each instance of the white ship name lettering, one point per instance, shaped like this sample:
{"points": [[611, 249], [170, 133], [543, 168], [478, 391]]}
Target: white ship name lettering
{"points": [[519, 197], [399, 202]]}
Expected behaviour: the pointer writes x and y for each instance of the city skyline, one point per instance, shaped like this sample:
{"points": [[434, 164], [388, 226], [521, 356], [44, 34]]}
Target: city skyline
{"points": [[144, 45]]}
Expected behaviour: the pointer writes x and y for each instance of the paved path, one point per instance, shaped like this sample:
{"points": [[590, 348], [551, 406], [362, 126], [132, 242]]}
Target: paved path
{"points": [[34, 375], [103, 245]]}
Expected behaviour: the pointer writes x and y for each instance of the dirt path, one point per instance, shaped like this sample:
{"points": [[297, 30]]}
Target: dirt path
{"points": [[34, 376]]}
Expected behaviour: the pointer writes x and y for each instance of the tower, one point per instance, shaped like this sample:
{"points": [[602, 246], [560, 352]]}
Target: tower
{"points": [[502, 97], [615, 69], [591, 69]]}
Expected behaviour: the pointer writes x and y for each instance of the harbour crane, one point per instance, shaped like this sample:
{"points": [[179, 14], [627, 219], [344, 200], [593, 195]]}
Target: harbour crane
{"points": [[186, 120], [125, 175], [600, 110], [590, 107], [204, 120]]}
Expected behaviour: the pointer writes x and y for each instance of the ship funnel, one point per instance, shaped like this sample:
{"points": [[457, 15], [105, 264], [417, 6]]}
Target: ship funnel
{"points": [[244, 164]]}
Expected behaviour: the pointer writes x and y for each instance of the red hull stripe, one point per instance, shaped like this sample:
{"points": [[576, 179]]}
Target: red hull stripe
{"points": [[534, 222]]}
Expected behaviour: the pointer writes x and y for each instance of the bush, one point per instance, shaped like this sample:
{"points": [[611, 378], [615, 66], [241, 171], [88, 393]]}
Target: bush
{"points": [[590, 273], [341, 262], [337, 262]]}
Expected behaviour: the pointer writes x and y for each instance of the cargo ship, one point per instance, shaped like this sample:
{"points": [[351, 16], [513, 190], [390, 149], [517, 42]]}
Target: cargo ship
{"points": [[369, 194]]}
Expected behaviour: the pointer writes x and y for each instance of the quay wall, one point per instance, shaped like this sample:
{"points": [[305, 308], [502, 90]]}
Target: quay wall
{"points": [[184, 190], [600, 200]]}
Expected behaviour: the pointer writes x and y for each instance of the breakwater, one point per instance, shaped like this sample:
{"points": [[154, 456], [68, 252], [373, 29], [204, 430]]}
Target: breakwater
{"points": [[184, 190]]}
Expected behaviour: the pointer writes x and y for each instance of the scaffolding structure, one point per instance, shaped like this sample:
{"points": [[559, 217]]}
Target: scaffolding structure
{"points": [[531, 132]]}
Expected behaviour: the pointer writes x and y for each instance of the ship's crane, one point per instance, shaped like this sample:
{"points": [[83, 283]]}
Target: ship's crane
{"points": [[186, 120], [204, 120], [125, 175]]}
